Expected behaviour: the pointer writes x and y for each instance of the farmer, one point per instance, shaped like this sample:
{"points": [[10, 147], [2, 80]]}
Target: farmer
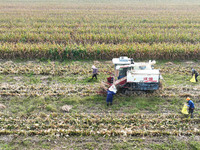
{"points": [[191, 106], [110, 92], [94, 72], [194, 72]]}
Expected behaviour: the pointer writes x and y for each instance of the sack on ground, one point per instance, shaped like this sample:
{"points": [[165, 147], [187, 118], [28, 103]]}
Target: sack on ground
{"points": [[184, 110], [113, 89], [193, 79]]}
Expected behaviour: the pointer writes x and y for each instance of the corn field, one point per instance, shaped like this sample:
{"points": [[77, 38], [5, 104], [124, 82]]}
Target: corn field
{"points": [[102, 31]]}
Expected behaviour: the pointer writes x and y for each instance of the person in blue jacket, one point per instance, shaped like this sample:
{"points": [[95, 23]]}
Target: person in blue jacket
{"points": [[109, 98], [191, 106], [110, 92]]}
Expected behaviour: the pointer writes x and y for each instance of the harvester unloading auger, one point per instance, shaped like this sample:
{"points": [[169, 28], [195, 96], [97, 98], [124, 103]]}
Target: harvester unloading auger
{"points": [[134, 76]]}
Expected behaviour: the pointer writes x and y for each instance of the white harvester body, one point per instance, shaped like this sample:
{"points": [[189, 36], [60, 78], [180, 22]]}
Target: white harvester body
{"points": [[136, 75]]}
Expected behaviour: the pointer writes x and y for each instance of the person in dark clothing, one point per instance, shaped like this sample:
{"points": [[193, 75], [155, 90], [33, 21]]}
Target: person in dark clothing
{"points": [[191, 106], [110, 92], [194, 72], [94, 72], [109, 98]]}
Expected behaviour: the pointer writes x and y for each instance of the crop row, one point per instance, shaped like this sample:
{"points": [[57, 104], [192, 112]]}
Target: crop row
{"points": [[80, 68], [52, 68], [86, 90], [99, 51], [47, 90], [118, 26], [110, 125], [68, 79], [107, 36]]}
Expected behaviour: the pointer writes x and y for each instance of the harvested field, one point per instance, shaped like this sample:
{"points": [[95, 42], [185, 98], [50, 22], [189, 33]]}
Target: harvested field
{"points": [[71, 78], [35, 92], [47, 97]]}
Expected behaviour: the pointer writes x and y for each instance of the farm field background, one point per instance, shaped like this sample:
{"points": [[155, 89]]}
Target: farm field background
{"points": [[47, 49], [99, 29]]}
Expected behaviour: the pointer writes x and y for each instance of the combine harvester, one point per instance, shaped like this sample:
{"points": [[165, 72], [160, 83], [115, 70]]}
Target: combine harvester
{"points": [[134, 76]]}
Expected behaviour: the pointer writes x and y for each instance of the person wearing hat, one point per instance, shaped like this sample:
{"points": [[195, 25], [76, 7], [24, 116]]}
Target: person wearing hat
{"points": [[94, 72], [110, 92], [194, 72], [191, 106]]}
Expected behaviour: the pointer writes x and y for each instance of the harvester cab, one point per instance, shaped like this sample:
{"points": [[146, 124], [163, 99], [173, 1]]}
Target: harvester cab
{"points": [[135, 76]]}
